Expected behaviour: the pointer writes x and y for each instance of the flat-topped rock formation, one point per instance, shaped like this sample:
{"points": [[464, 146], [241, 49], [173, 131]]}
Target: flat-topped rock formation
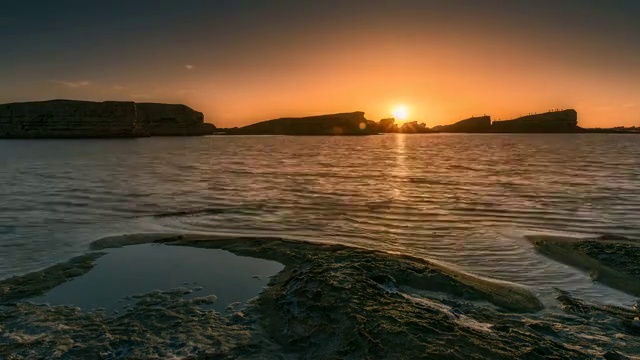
{"points": [[564, 121], [66, 118], [171, 120], [109, 119], [471, 125], [335, 124]]}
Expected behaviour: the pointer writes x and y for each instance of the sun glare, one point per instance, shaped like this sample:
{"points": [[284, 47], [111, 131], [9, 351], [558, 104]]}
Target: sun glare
{"points": [[400, 112]]}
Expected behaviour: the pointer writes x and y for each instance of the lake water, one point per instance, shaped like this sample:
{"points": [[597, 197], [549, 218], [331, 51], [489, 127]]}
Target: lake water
{"points": [[467, 200]]}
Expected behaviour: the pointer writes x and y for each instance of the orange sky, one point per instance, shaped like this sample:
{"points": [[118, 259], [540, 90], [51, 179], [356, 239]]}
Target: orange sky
{"points": [[438, 82], [444, 63]]}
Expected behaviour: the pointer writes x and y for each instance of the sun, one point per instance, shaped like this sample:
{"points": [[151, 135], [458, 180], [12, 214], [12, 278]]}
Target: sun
{"points": [[400, 112]]}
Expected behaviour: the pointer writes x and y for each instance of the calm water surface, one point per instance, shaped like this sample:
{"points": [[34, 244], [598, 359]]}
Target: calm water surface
{"points": [[141, 269], [467, 200]]}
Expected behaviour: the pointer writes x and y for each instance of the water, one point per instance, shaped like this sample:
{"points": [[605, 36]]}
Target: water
{"points": [[467, 200], [141, 269]]}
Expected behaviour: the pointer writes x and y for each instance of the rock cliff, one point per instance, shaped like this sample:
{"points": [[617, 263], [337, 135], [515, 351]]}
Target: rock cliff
{"points": [[551, 122], [335, 124], [171, 120], [66, 118], [86, 119]]}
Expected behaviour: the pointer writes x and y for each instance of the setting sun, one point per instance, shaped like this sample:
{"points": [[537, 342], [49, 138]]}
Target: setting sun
{"points": [[400, 112]]}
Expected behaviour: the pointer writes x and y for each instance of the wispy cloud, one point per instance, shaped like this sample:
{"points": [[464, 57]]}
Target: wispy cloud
{"points": [[629, 105], [71, 84], [189, 67], [118, 87], [139, 96], [185, 91]]}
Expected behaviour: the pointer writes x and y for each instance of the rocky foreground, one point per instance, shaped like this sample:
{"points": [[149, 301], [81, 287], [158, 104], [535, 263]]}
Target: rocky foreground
{"points": [[109, 119], [329, 302]]}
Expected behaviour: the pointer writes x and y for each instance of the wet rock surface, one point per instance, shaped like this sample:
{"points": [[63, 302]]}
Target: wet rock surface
{"points": [[611, 260], [37, 283], [330, 301]]}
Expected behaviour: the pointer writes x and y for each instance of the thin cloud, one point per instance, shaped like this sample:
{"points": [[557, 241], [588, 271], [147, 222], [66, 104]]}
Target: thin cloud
{"points": [[139, 97], [71, 84], [189, 67], [184, 91], [118, 87], [630, 105]]}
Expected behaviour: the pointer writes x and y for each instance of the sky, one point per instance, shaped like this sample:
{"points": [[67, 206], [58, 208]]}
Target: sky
{"points": [[242, 61]]}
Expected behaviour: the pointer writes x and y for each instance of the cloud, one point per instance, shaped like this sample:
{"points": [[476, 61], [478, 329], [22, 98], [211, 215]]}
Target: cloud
{"points": [[71, 84], [184, 91], [118, 87], [630, 105], [189, 67], [139, 96]]}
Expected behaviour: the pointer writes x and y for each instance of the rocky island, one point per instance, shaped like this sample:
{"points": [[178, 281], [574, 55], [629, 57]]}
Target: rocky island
{"points": [[353, 123], [109, 119], [471, 125], [563, 121]]}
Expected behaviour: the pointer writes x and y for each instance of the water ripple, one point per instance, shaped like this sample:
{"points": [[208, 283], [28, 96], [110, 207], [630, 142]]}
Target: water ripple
{"points": [[462, 199]]}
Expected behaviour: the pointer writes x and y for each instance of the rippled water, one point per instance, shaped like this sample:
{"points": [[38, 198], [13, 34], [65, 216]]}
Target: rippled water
{"points": [[463, 199]]}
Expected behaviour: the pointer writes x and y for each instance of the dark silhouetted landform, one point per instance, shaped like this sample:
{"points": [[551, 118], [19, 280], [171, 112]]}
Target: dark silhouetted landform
{"points": [[471, 125], [614, 130], [353, 123], [560, 121], [86, 119], [563, 121], [171, 120]]}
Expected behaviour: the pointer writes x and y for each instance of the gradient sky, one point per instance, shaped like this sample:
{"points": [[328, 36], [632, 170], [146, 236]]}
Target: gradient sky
{"points": [[240, 61]]}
